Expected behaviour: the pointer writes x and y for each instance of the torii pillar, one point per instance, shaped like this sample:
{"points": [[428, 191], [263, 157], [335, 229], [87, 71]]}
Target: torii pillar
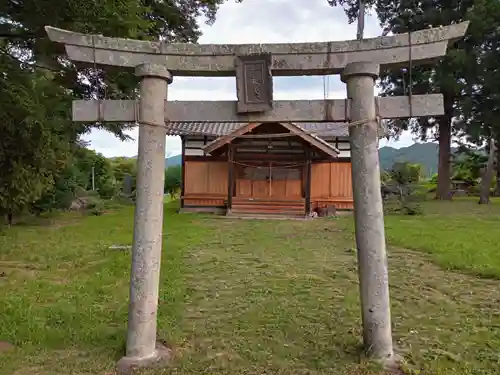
{"points": [[142, 347], [368, 210]]}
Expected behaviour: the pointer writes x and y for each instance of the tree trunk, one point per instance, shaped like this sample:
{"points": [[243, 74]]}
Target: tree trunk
{"points": [[361, 20], [444, 172], [9, 217], [497, 166], [487, 178]]}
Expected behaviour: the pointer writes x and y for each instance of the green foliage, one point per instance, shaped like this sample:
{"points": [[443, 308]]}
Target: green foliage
{"points": [[404, 173], [481, 102], [37, 84], [468, 164], [455, 76], [104, 180], [95, 206], [173, 178], [34, 137], [405, 181], [75, 181], [385, 176], [122, 167]]}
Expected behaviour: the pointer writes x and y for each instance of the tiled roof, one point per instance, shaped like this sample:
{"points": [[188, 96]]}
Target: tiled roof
{"points": [[321, 129]]}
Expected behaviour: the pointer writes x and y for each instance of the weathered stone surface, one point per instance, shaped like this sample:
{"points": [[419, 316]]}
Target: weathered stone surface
{"points": [[369, 215], [79, 204], [187, 59], [254, 83], [282, 65], [362, 68], [283, 110], [142, 348], [154, 70], [132, 365]]}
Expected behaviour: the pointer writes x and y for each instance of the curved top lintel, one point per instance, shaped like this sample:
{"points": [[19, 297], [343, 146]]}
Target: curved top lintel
{"points": [[288, 58], [431, 35]]}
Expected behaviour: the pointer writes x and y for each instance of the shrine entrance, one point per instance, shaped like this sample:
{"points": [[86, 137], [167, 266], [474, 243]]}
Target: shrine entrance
{"points": [[254, 65], [269, 188], [269, 167], [269, 180]]}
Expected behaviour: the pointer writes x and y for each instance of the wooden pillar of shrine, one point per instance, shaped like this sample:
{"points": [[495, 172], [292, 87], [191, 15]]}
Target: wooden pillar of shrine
{"points": [[308, 176], [230, 176]]}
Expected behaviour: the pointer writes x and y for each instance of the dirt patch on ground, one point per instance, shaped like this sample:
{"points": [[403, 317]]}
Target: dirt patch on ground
{"points": [[6, 346]]}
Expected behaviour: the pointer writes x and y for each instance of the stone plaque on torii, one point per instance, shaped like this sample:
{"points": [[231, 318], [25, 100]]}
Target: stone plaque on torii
{"points": [[358, 62]]}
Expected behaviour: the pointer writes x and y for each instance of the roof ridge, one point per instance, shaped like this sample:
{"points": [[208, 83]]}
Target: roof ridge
{"points": [[210, 128]]}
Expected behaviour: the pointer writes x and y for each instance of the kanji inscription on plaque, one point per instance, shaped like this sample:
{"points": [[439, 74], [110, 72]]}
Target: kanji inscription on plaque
{"points": [[254, 83]]}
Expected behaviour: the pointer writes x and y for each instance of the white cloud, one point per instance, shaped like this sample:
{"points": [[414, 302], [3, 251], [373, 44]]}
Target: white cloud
{"points": [[258, 21]]}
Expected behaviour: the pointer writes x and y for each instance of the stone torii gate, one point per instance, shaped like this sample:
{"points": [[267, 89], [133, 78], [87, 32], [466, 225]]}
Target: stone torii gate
{"points": [[358, 62]]}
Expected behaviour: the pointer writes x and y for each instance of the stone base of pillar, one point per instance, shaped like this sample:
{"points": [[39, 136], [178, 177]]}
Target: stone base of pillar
{"points": [[160, 359], [392, 363]]}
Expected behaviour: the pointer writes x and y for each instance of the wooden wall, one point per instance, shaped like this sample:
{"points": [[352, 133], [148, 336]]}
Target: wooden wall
{"points": [[284, 189], [205, 183], [331, 183]]}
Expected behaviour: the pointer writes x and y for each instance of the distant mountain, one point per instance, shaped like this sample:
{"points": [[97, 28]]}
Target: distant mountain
{"points": [[173, 160], [425, 154]]}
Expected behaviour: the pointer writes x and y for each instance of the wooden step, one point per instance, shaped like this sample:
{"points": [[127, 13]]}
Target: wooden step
{"points": [[266, 216], [276, 203], [270, 209], [266, 200], [246, 204]]}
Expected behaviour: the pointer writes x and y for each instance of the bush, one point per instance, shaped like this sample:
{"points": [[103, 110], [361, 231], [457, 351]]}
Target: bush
{"points": [[173, 177], [429, 186], [95, 206], [97, 211], [404, 182], [81, 192]]}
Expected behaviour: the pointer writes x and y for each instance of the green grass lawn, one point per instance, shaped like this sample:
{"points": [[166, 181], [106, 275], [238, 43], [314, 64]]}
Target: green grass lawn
{"points": [[252, 297], [459, 235]]}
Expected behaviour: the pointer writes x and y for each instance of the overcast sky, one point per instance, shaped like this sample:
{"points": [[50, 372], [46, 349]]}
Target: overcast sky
{"points": [[258, 21]]}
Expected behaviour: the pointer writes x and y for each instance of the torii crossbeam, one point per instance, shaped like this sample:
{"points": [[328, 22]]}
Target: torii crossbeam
{"points": [[330, 110], [288, 59], [359, 63]]}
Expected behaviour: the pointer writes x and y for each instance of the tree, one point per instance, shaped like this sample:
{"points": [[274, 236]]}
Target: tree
{"points": [[37, 82], [487, 177], [22, 25], [445, 77], [91, 165], [123, 167], [468, 163], [75, 180], [34, 142], [406, 176], [482, 102], [404, 173], [173, 178]]}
